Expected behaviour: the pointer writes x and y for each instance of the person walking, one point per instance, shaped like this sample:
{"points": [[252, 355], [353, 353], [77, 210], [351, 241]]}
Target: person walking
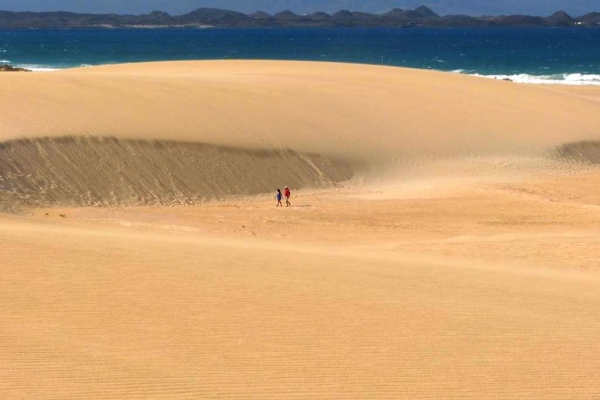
{"points": [[278, 198], [287, 195]]}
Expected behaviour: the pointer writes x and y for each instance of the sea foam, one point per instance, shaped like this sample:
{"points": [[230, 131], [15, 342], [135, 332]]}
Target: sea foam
{"points": [[556, 79], [36, 67]]}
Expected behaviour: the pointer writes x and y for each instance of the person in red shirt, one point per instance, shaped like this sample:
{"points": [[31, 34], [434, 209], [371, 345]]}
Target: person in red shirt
{"points": [[287, 195]]}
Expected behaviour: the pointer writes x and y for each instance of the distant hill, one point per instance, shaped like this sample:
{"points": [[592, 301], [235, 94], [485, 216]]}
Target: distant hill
{"points": [[561, 18], [212, 17], [591, 18]]}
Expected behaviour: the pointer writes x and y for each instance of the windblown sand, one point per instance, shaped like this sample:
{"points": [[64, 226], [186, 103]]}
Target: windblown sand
{"points": [[442, 243]]}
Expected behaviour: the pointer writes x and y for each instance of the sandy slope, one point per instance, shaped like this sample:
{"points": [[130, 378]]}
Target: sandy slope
{"points": [[95, 171], [353, 110], [370, 119], [459, 262], [483, 294]]}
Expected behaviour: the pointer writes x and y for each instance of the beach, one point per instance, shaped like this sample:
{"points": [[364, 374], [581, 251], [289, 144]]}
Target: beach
{"points": [[442, 240]]}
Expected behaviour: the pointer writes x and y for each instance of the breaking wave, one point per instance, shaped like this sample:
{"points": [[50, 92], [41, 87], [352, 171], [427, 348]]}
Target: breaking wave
{"points": [[36, 67], [556, 79]]}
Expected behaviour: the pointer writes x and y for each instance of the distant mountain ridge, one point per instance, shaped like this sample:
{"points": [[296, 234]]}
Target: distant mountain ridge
{"points": [[301, 7], [212, 17]]}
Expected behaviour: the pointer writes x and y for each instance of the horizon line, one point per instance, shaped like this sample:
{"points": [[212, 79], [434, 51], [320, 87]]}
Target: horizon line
{"points": [[299, 14]]}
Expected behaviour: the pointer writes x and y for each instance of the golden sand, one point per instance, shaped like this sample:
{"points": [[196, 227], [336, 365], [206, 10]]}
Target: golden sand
{"points": [[346, 109], [459, 261]]}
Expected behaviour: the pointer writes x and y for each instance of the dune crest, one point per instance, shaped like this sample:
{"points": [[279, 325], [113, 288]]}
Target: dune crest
{"points": [[361, 111]]}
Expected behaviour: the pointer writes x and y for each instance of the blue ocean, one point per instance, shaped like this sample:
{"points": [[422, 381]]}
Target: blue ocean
{"points": [[536, 55]]}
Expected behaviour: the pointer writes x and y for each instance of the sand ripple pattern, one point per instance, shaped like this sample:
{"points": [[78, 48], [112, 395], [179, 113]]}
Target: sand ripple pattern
{"points": [[122, 314], [582, 152], [90, 171]]}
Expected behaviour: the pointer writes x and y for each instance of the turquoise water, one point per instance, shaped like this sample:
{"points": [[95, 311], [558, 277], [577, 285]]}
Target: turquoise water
{"points": [[528, 54]]}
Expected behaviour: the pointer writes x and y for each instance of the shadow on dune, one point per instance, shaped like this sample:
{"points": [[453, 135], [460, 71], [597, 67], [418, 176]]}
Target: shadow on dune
{"points": [[93, 171], [582, 152]]}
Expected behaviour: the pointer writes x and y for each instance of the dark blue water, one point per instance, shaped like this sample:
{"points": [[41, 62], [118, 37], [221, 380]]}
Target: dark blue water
{"points": [[571, 54]]}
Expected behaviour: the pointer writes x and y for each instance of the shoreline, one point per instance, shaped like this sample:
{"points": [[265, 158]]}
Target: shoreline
{"points": [[570, 79]]}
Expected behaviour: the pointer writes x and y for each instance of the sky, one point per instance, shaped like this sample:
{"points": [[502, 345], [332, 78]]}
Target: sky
{"points": [[176, 7]]}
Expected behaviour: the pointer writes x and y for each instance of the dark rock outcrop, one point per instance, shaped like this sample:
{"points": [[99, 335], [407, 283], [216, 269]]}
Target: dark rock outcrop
{"points": [[10, 68]]}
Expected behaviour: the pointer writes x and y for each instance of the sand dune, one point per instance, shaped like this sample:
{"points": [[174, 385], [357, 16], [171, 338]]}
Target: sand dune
{"points": [[379, 122], [330, 109], [444, 243]]}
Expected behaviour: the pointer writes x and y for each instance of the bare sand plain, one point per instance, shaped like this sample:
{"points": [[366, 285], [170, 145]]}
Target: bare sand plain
{"points": [[443, 239]]}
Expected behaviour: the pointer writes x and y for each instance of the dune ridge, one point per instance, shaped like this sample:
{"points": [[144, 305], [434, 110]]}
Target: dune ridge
{"points": [[372, 113], [92, 171]]}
